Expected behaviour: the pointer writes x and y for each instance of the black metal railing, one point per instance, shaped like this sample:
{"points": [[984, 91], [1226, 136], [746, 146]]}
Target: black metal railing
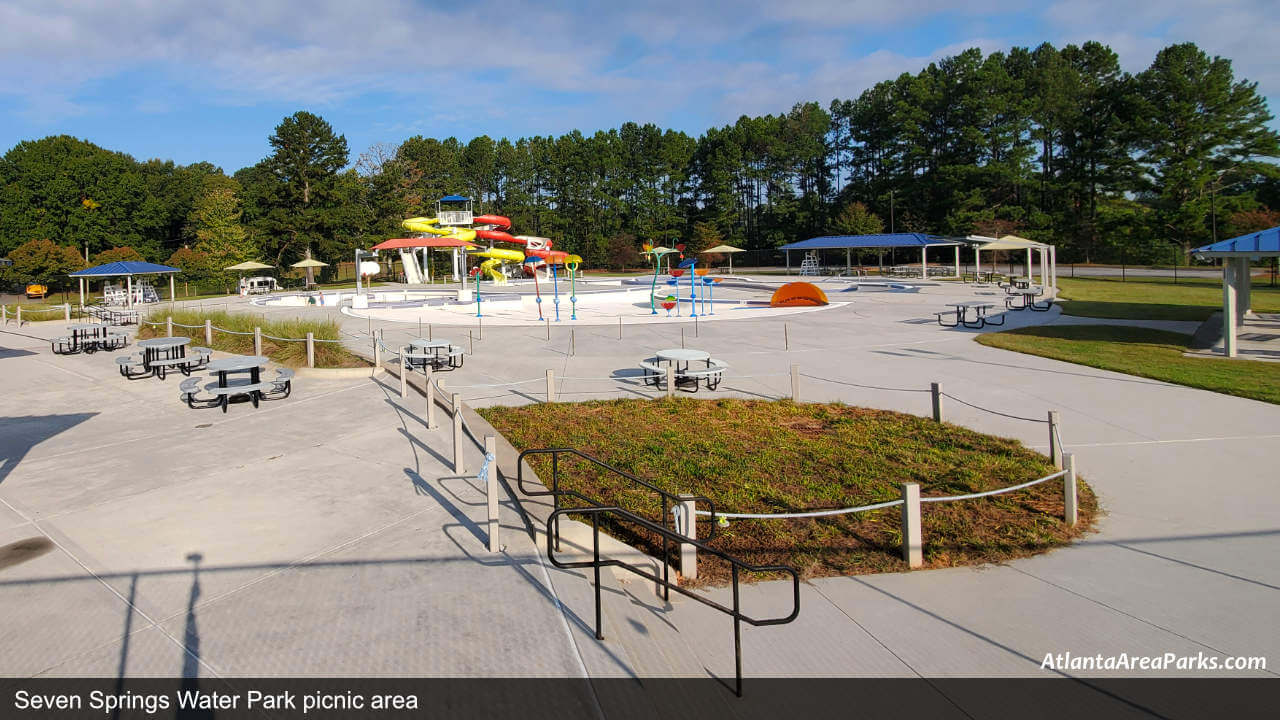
{"points": [[667, 500], [736, 567]]}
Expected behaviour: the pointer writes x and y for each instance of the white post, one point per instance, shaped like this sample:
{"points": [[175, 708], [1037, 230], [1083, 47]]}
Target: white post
{"points": [[924, 262], [81, 292], [977, 263], [687, 525], [430, 414], [66, 312], [1070, 500], [311, 350], [459, 466], [957, 261], [4, 314], [257, 340], [1029, 274], [19, 314], [491, 490], [1244, 293], [1055, 445], [404, 373], [1229, 308], [671, 378], [168, 326], [795, 383], [935, 389], [912, 544], [172, 297], [208, 332], [129, 291], [377, 356], [551, 385]]}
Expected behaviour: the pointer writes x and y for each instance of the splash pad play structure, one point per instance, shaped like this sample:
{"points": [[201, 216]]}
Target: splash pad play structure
{"points": [[524, 279]]}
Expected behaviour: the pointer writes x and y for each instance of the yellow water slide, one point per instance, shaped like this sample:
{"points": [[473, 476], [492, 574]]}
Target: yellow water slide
{"points": [[497, 256], [432, 226]]}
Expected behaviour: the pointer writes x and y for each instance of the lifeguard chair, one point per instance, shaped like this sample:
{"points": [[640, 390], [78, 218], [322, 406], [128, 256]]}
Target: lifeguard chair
{"points": [[458, 211]]}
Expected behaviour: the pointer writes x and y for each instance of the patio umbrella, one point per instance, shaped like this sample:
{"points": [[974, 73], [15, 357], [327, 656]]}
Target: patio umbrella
{"points": [[728, 250], [310, 265], [247, 265]]}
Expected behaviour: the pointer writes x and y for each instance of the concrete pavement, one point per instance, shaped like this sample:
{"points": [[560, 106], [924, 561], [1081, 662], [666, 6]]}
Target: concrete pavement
{"points": [[1182, 562]]}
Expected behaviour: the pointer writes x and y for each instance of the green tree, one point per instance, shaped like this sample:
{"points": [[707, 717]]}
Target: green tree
{"points": [[1197, 127], [45, 262], [215, 223], [302, 173], [856, 219], [117, 254]]}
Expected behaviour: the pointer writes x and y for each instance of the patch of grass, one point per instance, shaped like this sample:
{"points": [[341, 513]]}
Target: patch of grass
{"points": [[766, 457], [1155, 354], [293, 354], [1155, 298], [36, 312]]}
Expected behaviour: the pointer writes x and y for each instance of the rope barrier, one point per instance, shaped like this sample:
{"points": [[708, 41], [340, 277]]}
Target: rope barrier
{"points": [[999, 491], [878, 506], [813, 513], [993, 412], [869, 387], [493, 385]]}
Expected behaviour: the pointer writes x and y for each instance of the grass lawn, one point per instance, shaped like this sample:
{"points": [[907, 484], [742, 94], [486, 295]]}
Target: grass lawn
{"points": [[1155, 298], [762, 456], [1148, 353], [294, 354]]}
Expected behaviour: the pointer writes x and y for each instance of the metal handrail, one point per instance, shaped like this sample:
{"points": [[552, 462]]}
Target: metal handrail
{"points": [[669, 500], [734, 563]]}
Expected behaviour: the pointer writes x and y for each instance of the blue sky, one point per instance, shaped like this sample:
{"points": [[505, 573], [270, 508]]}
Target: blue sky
{"points": [[209, 81]]}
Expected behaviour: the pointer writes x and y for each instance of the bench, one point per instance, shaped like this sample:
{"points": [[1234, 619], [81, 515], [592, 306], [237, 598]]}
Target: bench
{"points": [[238, 387], [712, 374], [115, 341], [184, 364], [190, 387], [955, 315], [62, 345], [654, 374], [127, 364], [282, 384]]}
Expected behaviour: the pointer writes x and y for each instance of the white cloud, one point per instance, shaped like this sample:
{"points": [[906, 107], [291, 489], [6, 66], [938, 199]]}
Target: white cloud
{"points": [[497, 59]]}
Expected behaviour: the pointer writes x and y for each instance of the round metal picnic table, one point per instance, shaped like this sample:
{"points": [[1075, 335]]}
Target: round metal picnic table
{"points": [[85, 336], [978, 306], [685, 355], [162, 348], [237, 363], [675, 356], [435, 346]]}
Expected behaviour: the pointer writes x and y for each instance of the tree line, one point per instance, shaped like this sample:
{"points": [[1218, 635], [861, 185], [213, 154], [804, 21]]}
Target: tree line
{"points": [[1054, 144]]}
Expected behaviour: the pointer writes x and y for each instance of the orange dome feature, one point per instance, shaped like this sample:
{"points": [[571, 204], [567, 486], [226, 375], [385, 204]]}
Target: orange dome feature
{"points": [[798, 294]]}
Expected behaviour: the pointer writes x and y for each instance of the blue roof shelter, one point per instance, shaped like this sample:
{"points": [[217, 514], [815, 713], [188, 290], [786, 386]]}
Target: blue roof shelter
{"points": [[126, 268], [1237, 280], [880, 242]]}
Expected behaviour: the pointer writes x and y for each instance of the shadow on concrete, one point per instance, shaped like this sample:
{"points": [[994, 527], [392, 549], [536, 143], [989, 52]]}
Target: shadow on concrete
{"points": [[18, 434]]}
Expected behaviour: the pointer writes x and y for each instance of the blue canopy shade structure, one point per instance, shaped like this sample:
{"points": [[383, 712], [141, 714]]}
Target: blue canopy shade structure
{"points": [[1237, 281], [1264, 243], [126, 268], [453, 198], [884, 241]]}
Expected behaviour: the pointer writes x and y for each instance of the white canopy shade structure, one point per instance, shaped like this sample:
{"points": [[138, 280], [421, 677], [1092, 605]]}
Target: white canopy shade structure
{"points": [[726, 250], [1048, 255]]}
